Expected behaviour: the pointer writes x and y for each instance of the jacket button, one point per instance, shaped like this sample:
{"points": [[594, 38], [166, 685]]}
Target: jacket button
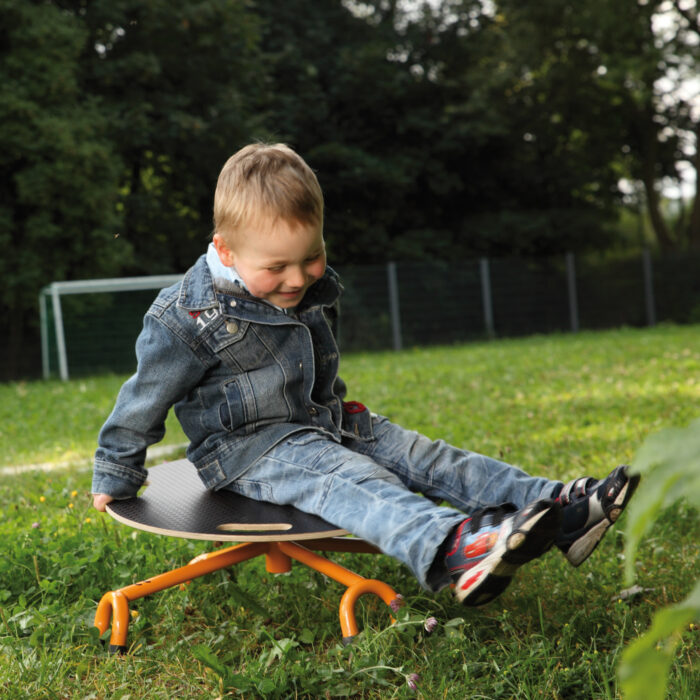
{"points": [[313, 411], [232, 302], [231, 326]]}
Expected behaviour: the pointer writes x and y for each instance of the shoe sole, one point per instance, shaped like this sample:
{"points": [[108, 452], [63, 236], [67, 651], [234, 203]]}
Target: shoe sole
{"points": [[490, 577], [583, 547]]}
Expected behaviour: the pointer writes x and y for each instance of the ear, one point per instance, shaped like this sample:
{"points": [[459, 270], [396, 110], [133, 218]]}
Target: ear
{"points": [[225, 253]]}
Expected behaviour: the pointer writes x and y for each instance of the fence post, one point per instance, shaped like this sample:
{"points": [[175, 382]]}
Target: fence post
{"points": [[394, 307], [571, 285], [486, 299], [649, 287]]}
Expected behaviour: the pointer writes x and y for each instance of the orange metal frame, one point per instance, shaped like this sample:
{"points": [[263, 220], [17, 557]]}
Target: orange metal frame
{"points": [[278, 559]]}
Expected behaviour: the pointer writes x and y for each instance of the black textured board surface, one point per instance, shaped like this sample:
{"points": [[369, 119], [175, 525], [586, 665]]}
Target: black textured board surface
{"points": [[175, 502]]}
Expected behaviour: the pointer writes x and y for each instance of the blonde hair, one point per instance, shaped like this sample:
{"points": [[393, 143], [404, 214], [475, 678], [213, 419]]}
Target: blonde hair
{"points": [[266, 180]]}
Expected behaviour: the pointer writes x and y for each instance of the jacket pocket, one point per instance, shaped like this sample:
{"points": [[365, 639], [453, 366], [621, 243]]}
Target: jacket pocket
{"points": [[233, 413], [255, 399]]}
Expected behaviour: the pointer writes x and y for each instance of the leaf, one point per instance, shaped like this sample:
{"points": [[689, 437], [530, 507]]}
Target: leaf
{"points": [[239, 681], [307, 636], [203, 653], [280, 648], [267, 685], [454, 622], [645, 663], [241, 598], [669, 462]]}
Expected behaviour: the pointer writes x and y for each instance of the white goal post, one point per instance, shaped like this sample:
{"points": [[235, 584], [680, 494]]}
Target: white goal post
{"points": [[56, 290]]}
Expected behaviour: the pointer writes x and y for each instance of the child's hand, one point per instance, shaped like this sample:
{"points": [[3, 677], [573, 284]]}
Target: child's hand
{"points": [[100, 500]]}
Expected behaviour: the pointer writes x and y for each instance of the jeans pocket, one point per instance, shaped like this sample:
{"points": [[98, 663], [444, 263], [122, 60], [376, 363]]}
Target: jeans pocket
{"points": [[257, 490], [357, 422], [303, 437]]}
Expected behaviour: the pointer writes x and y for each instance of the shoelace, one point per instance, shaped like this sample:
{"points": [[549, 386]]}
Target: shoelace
{"points": [[575, 490], [498, 514]]}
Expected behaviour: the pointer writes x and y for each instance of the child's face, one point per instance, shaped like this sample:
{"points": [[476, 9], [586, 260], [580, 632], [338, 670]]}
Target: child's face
{"points": [[277, 260]]}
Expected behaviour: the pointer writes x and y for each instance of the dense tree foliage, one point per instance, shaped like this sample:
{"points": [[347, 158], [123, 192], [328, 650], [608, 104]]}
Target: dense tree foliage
{"points": [[440, 130], [177, 79], [624, 73], [58, 177]]}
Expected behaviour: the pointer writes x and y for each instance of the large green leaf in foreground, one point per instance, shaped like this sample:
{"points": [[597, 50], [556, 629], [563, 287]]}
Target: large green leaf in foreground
{"points": [[669, 462]]}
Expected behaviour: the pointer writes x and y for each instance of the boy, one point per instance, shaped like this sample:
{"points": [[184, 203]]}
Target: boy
{"points": [[244, 349]]}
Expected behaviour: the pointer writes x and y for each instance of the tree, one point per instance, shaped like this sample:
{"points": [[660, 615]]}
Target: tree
{"points": [[335, 95], [676, 27], [59, 173], [441, 130], [427, 140], [641, 59], [179, 81]]}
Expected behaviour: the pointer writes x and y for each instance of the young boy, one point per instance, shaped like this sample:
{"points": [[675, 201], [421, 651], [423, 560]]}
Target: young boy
{"points": [[244, 349]]}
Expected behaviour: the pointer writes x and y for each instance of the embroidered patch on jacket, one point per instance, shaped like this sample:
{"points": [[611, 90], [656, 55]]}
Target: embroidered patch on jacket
{"points": [[203, 318]]}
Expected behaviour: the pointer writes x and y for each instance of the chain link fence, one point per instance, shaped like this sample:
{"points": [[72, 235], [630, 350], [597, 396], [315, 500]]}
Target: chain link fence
{"points": [[437, 303], [92, 329]]}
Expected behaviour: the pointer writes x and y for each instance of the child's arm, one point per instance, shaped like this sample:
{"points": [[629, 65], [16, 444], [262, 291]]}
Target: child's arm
{"points": [[167, 370]]}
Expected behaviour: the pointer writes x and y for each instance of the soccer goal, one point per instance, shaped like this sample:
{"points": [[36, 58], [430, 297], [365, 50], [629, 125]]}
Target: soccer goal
{"points": [[90, 326]]}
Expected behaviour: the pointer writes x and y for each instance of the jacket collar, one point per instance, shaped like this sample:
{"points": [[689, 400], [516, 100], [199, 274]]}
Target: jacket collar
{"points": [[198, 293], [323, 292], [197, 289]]}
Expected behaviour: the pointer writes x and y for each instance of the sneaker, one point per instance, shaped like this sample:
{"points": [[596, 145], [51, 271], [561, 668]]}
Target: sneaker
{"points": [[488, 548], [589, 508]]}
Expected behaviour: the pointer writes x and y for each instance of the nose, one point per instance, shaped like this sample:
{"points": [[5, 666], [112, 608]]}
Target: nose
{"points": [[296, 277]]}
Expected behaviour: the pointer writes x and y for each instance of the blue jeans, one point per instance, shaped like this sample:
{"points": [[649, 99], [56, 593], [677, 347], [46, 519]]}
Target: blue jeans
{"points": [[367, 488]]}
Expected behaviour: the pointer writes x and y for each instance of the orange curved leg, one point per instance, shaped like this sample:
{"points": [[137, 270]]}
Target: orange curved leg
{"points": [[104, 613], [278, 557], [115, 605], [348, 621], [356, 585]]}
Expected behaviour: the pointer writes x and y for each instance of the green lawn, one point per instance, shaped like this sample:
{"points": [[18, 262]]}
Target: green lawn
{"points": [[560, 406]]}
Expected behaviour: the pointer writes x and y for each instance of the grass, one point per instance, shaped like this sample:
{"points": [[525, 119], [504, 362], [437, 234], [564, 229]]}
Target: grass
{"points": [[559, 406], [57, 422]]}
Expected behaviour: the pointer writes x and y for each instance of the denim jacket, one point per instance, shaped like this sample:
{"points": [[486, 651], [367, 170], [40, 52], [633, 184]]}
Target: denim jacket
{"points": [[241, 374]]}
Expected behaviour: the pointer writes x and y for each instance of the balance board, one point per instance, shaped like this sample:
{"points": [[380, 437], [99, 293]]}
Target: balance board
{"points": [[176, 503]]}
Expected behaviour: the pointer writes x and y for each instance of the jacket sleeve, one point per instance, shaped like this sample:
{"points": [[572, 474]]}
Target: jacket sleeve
{"points": [[167, 370]]}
